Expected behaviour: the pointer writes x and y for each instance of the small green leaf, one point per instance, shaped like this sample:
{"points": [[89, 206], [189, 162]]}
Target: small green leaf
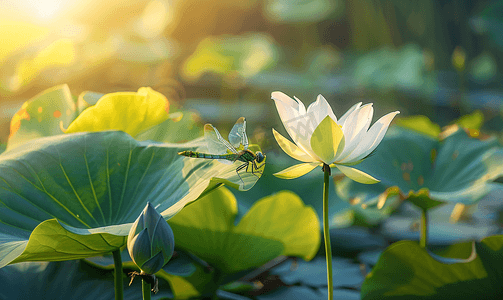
{"points": [[407, 271], [298, 234], [471, 121], [206, 229], [421, 124], [423, 200], [197, 229]]}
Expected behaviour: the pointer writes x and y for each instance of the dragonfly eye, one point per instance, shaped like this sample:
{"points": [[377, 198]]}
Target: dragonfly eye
{"points": [[259, 156]]}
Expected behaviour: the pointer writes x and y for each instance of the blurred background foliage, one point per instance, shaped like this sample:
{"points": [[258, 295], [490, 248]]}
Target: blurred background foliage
{"points": [[222, 60], [437, 58]]}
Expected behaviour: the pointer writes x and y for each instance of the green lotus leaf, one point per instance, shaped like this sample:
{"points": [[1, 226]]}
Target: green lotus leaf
{"points": [[73, 279], [95, 185], [275, 225], [471, 121], [54, 109], [246, 55], [424, 125], [181, 126], [421, 124], [298, 234], [43, 115], [407, 271], [430, 172], [126, 111]]}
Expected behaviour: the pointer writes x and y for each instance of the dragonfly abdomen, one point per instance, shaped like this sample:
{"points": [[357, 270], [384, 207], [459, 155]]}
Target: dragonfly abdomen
{"points": [[194, 154]]}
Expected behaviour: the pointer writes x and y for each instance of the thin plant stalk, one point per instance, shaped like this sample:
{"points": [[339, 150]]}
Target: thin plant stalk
{"points": [[145, 289], [118, 283], [423, 234], [326, 232]]}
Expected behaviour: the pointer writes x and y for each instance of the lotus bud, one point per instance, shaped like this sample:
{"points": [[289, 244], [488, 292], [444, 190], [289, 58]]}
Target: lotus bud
{"points": [[150, 242]]}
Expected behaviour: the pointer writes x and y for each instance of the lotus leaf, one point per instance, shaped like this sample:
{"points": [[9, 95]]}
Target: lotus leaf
{"points": [[407, 271], [95, 185], [276, 225]]}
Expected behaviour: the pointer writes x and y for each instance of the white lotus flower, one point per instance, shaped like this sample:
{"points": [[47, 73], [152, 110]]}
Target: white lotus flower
{"points": [[319, 138]]}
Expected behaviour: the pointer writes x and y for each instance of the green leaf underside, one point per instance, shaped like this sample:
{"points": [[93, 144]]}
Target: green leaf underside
{"points": [[206, 228], [95, 184], [407, 271]]}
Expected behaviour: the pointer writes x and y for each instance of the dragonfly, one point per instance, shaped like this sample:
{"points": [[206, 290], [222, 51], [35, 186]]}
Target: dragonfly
{"points": [[228, 152]]}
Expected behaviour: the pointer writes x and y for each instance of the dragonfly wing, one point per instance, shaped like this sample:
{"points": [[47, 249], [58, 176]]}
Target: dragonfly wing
{"points": [[237, 136], [216, 143]]}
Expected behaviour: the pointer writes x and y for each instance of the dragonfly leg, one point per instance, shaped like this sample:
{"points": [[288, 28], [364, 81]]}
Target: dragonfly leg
{"points": [[241, 167], [256, 167]]}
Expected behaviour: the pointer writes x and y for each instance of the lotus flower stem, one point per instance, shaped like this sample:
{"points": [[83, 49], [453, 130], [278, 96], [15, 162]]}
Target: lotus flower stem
{"points": [[119, 291], [423, 242], [145, 289], [326, 232]]}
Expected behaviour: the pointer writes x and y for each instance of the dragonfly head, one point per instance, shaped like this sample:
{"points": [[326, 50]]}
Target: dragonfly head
{"points": [[259, 156]]}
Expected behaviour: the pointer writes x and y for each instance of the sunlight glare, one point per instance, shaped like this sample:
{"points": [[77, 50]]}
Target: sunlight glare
{"points": [[156, 15], [43, 10]]}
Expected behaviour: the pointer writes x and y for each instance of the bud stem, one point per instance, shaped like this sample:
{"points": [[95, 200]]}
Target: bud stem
{"points": [[119, 291], [326, 232], [145, 288]]}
